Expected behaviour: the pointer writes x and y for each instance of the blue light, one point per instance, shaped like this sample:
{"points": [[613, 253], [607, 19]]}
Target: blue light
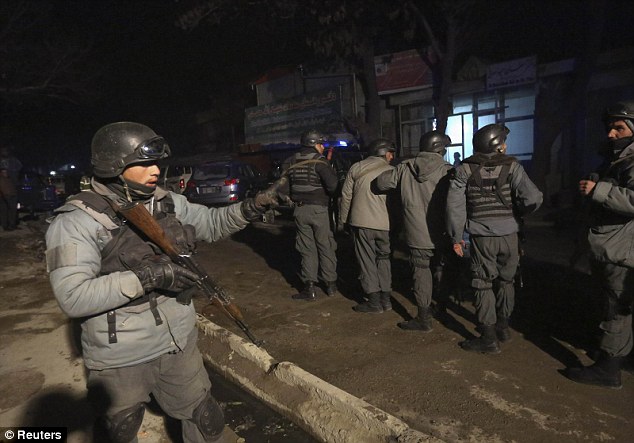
{"points": [[343, 143]]}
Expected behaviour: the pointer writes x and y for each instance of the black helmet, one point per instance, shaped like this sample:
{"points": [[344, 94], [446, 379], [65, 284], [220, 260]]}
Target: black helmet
{"points": [[434, 141], [117, 145], [489, 138], [620, 111], [380, 147], [312, 137]]}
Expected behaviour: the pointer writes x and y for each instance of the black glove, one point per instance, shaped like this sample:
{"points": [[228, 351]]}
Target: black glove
{"points": [[161, 275], [253, 208]]}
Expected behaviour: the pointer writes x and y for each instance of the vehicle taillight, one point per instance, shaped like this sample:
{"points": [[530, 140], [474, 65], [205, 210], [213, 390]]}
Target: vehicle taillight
{"points": [[181, 183], [191, 184], [231, 181]]}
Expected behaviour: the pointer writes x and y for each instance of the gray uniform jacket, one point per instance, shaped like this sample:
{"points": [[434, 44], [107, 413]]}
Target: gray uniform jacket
{"points": [[75, 240], [527, 198], [611, 234], [360, 206], [422, 198]]}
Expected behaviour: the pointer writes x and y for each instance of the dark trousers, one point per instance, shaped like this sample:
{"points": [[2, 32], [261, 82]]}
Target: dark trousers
{"points": [[9, 211], [316, 244], [178, 382], [617, 290], [372, 249], [494, 262]]}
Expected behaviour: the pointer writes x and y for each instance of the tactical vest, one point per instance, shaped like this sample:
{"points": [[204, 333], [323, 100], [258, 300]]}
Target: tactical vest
{"points": [[129, 249], [489, 194], [304, 179]]}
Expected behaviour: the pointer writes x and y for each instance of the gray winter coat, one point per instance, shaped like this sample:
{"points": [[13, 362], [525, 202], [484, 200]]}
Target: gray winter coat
{"points": [[360, 206], [611, 234], [422, 197], [74, 242]]}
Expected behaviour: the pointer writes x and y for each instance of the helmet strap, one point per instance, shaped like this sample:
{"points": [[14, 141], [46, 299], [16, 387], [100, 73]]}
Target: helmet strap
{"points": [[125, 188]]}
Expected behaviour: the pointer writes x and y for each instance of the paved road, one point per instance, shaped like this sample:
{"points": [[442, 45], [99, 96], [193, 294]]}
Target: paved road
{"points": [[423, 379], [426, 379]]}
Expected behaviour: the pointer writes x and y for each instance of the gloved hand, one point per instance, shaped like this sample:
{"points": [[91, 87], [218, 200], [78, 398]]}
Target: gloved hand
{"points": [[162, 275], [253, 208]]}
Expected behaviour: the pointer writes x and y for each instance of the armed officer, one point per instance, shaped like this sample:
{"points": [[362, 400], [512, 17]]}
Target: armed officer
{"points": [[138, 323], [611, 238], [487, 192], [311, 183]]}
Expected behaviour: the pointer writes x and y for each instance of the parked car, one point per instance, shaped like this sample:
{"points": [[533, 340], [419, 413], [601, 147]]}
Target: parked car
{"points": [[223, 182], [174, 177], [36, 194]]}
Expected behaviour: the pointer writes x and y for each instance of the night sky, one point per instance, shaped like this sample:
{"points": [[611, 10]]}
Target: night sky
{"points": [[144, 68]]}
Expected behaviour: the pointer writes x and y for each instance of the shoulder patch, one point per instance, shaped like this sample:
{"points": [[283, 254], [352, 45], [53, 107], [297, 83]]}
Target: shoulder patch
{"points": [[61, 256]]}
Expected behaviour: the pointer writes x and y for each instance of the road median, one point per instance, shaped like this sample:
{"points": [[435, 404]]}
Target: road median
{"points": [[323, 410]]}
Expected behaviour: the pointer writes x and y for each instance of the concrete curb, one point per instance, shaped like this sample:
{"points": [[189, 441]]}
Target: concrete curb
{"points": [[328, 413]]}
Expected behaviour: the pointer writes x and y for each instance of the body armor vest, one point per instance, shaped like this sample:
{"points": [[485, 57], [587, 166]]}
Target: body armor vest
{"points": [[128, 248], [304, 179], [488, 189]]}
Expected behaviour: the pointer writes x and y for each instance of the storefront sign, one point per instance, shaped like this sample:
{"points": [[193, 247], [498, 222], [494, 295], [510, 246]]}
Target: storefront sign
{"points": [[285, 120], [515, 72], [401, 71]]}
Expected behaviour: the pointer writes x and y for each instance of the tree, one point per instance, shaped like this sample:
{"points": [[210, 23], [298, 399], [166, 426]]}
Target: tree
{"points": [[340, 32], [38, 67], [454, 25]]}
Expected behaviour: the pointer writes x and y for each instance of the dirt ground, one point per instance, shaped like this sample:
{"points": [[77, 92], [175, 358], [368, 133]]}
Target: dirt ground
{"points": [[424, 379]]}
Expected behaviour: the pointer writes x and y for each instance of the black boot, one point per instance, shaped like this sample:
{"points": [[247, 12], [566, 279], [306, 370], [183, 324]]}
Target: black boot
{"points": [[606, 371], [422, 322], [308, 293], [373, 305], [331, 288], [502, 329], [487, 343], [386, 303]]}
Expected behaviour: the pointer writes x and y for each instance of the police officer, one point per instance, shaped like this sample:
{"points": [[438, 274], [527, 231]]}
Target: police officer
{"points": [[422, 182], [311, 183], [487, 192], [138, 329], [611, 238], [366, 213]]}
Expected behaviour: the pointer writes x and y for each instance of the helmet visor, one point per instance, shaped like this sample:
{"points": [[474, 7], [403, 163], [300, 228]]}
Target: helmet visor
{"points": [[154, 148]]}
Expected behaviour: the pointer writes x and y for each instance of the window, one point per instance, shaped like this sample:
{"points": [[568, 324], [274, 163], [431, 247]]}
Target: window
{"points": [[514, 108]]}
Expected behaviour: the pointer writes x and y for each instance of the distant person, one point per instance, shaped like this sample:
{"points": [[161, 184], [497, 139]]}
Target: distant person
{"points": [[11, 168], [366, 213], [341, 166], [139, 334], [488, 191], [311, 183], [456, 159], [422, 182], [611, 239]]}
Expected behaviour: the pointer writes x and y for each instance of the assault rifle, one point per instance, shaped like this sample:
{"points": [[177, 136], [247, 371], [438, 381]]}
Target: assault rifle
{"points": [[139, 216]]}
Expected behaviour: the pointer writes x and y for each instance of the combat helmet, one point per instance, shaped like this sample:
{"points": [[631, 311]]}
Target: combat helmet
{"points": [[118, 145], [312, 137], [380, 147], [434, 141], [620, 111], [489, 138]]}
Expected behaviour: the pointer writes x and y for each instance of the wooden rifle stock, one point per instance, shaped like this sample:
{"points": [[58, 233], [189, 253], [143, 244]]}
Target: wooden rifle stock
{"points": [[139, 216]]}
